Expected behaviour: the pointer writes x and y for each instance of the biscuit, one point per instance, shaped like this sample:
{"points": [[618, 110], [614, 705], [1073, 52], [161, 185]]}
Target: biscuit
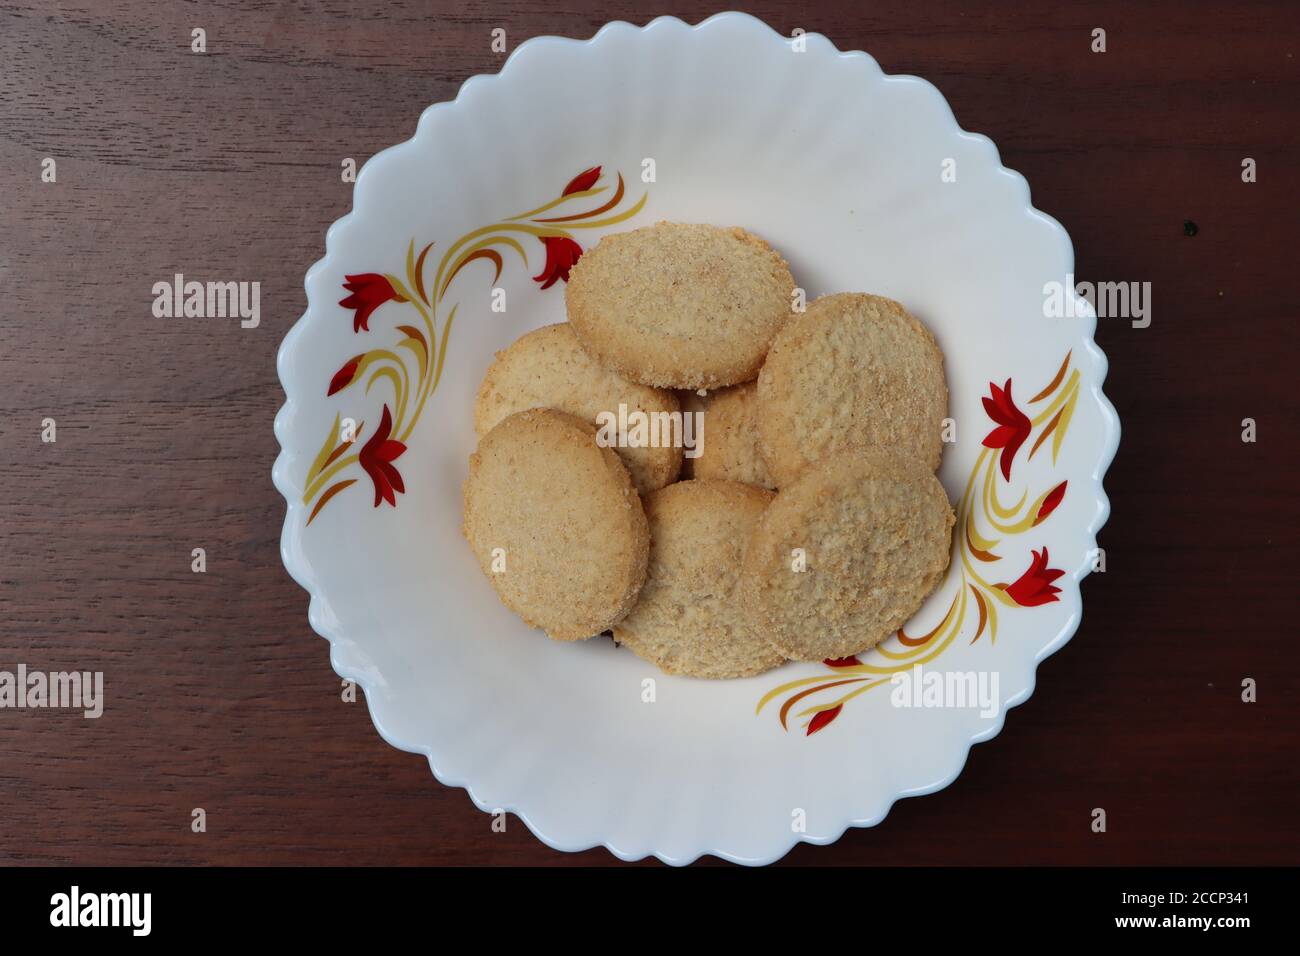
{"points": [[875, 532], [679, 305], [687, 620], [730, 448], [547, 368], [556, 523], [854, 370]]}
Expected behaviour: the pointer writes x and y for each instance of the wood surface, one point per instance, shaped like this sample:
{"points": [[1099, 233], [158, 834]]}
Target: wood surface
{"points": [[226, 165]]}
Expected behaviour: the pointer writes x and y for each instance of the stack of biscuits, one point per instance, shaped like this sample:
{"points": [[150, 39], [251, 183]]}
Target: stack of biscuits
{"points": [[810, 526]]}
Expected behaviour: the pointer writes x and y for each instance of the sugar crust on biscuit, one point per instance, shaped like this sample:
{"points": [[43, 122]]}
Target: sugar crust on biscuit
{"points": [[547, 368], [688, 620], [854, 370], [680, 305], [874, 530], [569, 524]]}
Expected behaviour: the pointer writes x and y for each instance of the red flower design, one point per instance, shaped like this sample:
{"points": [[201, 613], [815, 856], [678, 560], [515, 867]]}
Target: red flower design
{"points": [[582, 182], [1013, 425], [344, 376], [377, 456], [369, 291], [1035, 587], [1050, 502], [561, 253], [822, 718]]}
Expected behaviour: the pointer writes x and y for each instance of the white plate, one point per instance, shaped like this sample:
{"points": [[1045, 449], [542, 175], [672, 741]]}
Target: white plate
{"points": [[841, 168]]}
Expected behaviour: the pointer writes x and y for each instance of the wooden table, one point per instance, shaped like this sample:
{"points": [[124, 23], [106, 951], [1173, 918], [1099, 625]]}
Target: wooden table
{"points": [[226, 164]]}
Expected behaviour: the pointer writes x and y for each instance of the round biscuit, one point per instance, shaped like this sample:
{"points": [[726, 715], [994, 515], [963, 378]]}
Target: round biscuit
{"points": [[566, 518], [680, 305], [853, 371], [687, 619], [875, 533], [547, 368], [730, 448]]}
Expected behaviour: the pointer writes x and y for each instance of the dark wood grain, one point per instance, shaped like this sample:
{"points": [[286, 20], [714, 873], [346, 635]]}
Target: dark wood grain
{"points": [[227, 165]]}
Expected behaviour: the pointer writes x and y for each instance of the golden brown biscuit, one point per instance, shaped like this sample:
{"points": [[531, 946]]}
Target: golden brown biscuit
{"points": [[730, 447], [854, 371], [845, 555], [556, 524], [679, 305], [547, 368], [687, 620]]}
